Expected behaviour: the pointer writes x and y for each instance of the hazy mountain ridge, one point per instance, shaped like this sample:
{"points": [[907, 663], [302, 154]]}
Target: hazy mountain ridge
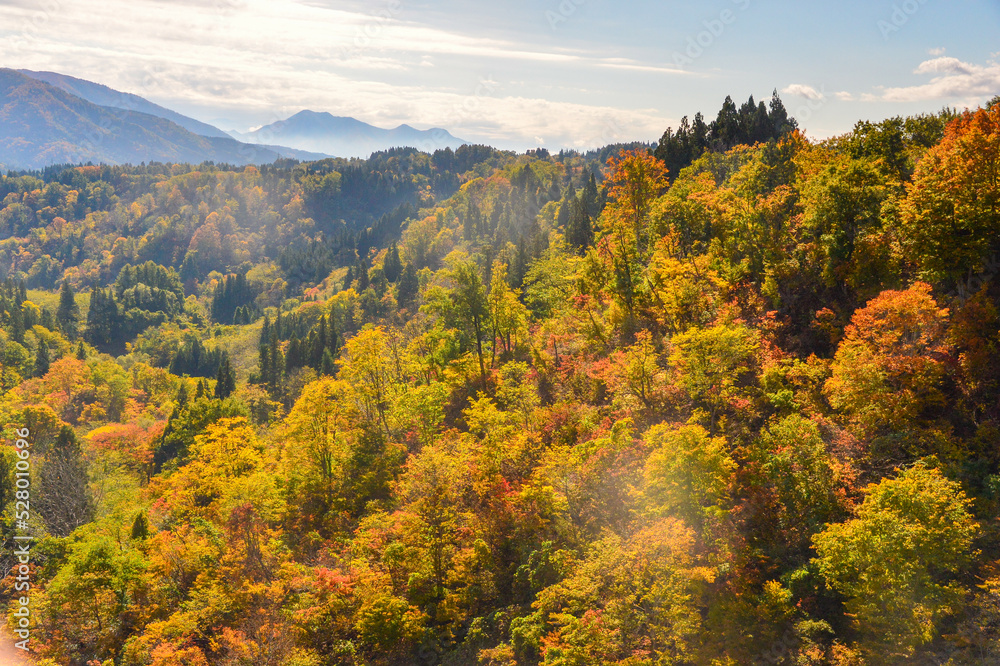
{"points": [[51, 118], [41, 124], [346, 137], [102, 95]]}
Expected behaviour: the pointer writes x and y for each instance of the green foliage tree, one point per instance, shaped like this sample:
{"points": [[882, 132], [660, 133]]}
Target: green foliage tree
{"points": [[232, 292], [634, 183], [717, 366], [843, 213], [897, 559], [807, 482], [95, 600], [140, 527], [688, 474], [627, 602], [470, 308], [187, 421]]}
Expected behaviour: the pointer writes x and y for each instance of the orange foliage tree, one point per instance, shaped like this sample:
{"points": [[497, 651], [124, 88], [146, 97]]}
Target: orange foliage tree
{"points": [[952, 214], [888, 368]]}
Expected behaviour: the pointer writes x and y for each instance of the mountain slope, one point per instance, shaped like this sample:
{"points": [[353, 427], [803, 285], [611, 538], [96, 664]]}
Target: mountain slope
{"points": [[347, 137], [41, 124], [105, 96]]}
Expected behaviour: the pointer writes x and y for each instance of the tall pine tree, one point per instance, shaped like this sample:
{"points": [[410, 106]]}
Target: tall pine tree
{"points": [[408, 287], [41, 359], [392, 266], [225, 379]]}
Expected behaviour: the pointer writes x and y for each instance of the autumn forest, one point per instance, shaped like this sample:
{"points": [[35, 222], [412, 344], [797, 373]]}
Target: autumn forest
{"points": [[730, 398]]}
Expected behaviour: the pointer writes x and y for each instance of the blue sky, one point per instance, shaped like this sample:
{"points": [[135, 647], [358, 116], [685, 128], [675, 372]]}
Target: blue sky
{"points": [[558, 73]]}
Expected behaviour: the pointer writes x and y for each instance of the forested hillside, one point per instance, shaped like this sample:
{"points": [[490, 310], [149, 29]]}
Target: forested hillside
{"points": [[730, 399]]}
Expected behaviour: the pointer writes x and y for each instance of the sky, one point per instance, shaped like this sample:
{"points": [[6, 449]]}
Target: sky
{"points": [[519, 74]]}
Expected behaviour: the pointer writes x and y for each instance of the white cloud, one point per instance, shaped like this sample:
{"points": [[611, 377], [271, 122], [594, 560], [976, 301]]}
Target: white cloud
{"points": [[955, 80], [936, 52], [944, 66], [626, 63], [844, 96], [252, 62], [802, 90]]}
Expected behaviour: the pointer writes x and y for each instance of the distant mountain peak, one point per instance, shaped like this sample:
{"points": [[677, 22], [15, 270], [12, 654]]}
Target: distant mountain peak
{"points": [[309, 113], [49, 118], [43, 123], [343, 136]]}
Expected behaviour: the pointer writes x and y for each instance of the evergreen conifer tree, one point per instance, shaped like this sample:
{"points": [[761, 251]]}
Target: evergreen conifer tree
{"points": [[225, 379], [328, 365], [393, 266], [408, 287], [68, 313], [41, 359], [140, 527]]}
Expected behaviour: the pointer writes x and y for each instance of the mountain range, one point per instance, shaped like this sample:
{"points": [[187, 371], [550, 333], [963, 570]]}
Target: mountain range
{"points": [[105, 96], [346, 137], [49, 118]]}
